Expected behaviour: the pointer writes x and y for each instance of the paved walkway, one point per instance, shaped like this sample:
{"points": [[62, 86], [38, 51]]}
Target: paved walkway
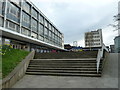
{"points": [[108, 80]]}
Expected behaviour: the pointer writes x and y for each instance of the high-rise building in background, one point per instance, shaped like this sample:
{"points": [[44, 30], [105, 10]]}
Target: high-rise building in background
{"points": [[26, 27], [118, 18], [117, 38], [94, 38]]}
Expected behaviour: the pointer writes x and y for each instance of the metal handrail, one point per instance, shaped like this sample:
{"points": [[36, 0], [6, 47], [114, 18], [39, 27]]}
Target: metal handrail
{"points": [[100, 56]]}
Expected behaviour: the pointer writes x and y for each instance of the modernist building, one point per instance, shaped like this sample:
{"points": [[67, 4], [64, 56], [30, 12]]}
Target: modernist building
{"points": [[26, 27], [93, 38]]}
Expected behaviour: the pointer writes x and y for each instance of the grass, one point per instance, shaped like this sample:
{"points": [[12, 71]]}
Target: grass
{"points": [[11, 59]]}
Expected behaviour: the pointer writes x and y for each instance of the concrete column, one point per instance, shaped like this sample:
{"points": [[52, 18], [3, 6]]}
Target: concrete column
{"points": [[3, 41]]}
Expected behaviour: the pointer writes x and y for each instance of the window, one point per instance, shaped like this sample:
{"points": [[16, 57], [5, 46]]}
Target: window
{"points": [[1, 21], [41, 19], [60, 35], [56, 32], [50, 27], [34, 25], [26, 7], [40, 37], [13, 10], [53, 36], [12, 26], [16, 1], [46, 32], [1, 6], [25, 20], [34, 12], [46, 23], [41, 29], [45, 39], [50, 34], [25, 31], [34, 35]]}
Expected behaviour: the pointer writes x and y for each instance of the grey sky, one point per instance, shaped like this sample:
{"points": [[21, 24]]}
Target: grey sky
{"points": [[74, 17]]}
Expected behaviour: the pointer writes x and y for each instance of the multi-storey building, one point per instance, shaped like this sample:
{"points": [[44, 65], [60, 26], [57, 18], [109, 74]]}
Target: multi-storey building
{"points": [[93, 38], [117, 38], [26, 27]]}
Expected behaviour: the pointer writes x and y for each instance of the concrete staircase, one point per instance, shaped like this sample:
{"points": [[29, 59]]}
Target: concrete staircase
{"points": [[69, 66]]}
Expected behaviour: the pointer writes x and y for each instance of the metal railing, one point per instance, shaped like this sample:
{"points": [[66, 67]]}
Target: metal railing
{"points": [[100, 55]]}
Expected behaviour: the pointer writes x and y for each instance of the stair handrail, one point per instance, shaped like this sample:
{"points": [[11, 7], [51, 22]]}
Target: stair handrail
{"points": [[100, 55]]}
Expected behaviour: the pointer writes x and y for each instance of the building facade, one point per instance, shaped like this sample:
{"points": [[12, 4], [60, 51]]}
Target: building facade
{"points": [[25, 26], [117, 44], [93, 38], [119, 18], [117, 38]]}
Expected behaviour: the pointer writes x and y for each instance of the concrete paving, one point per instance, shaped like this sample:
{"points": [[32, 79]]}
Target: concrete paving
{"points": [[109, 79]]}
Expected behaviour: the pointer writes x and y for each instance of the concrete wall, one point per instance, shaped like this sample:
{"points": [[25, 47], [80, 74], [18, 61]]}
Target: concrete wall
{"points": [[18, 72]]}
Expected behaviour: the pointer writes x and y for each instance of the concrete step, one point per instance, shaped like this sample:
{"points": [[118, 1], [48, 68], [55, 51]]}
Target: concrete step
{"points": [[45, 68], [68, 59], [62, 61], [63, 74], [64, 64], [64, 71], [73, 66]]}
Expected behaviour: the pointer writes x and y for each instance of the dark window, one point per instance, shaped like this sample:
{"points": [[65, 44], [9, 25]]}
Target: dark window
{"points": [[1, 21], [26, 7], [25, 20], [25, 31], [34, 25], [12, 26], [46, 23], [1, 7], [40, 37], [41, 29], [34, 35], [50, 27], [46, 31], [41, 19], [13, 12], [34, 13]]}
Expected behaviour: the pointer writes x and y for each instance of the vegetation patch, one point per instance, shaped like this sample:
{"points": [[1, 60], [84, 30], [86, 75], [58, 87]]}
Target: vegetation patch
{"points": [[11, 58]]}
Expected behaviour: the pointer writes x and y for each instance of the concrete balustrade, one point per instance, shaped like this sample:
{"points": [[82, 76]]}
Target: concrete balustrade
{"points": [[18, 72]]}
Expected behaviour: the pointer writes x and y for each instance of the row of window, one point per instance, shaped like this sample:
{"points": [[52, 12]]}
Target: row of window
{"points": [[88, 40], [95, 32], [26, 7], [14, 27], [92, 44], [88, 37], [13, 13], [40, 30]]}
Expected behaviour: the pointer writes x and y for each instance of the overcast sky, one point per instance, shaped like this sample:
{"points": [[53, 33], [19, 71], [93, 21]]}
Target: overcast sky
{"points": [[75, 17]]}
